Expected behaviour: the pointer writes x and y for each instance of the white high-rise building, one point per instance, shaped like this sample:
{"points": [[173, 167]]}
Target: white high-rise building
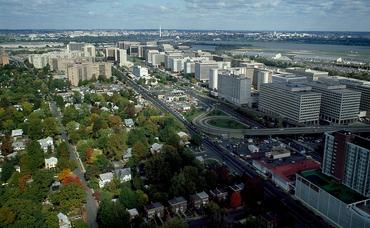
{"points": [[261, 76], [123, 57], [202, 70], [234, 88], [297, 103], [339, 105], [140, 71], [213, 79]]}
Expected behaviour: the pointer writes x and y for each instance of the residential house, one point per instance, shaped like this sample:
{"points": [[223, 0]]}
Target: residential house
{"points": [[105, 178], [178, 204], [133, 213], [237, 187], [129, 123], [154, 209], [184, 138], [123, 175], [18, 145], [51, 162], [46, 143], [17, 133], [199, 200], [63, 221], [219, 195], [156, 148], [127, 155]]}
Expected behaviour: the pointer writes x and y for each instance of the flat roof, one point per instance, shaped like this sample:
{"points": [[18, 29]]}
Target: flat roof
{"points": [[331, 186]]}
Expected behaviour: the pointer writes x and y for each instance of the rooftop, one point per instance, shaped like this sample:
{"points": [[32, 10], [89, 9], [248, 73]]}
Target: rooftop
{"points": [[153, 205], [202, 195], [331, 186], [177, 200]]}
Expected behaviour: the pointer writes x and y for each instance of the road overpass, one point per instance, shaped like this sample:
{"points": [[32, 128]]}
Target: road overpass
{"points": [[202, 122]]}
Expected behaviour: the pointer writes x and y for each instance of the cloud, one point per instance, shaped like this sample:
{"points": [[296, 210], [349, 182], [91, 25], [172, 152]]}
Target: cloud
{"points": [[191, 14]]}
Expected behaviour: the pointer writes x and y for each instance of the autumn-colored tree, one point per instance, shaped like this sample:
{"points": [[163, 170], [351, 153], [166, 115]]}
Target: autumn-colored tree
{"points": [[72, 179], [64, 174], [23, 180], [89, 153], [115, 121], [235, 200], [6, 146], [130, 110]]}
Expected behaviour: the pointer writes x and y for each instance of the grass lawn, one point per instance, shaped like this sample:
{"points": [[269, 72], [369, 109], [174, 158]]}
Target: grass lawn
{"points": [[227, 123], [193, 113], [216, 113]]}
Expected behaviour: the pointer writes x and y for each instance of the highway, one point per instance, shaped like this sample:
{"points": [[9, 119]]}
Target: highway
{"points": [[303, 216]]}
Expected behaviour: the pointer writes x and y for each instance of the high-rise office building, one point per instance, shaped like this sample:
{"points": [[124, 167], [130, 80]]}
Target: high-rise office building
{"points": [[359, 86], [234, 88], [73, 46], [347, 159], [123, 57], [213, 79], [284, 77], [296, 102], [88, 71], [339, 105], [89, 50], [312, 75], [261, 76], [202, 70]]}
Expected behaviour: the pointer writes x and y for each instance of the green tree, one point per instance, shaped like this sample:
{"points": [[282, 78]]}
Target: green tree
{"points": [[140, 150], [69, 197], [35, 128], [115, 147], [112, 214], [7, 171], [128, 198], [51, 126], [175, 223], [35, 155]]}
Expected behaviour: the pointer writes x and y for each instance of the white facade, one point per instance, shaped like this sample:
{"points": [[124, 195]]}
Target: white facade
{"points": [[51, 162], [123, 58], [46, 143], [261, 76], [296, 103], [202, 70], [213, 79], [89, 50], [140, 71], [338, 104], [283, 77], [234, 88]]}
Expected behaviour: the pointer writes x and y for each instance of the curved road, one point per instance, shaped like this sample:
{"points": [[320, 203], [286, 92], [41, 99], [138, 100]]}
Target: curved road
{"points": [[202, 120]]}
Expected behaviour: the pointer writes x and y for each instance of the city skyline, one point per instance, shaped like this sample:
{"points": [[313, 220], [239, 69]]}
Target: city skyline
{"points": [[327, 15]]}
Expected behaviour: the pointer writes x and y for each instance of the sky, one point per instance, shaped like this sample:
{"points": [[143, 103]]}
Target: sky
{"points": [[292, 15]]}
